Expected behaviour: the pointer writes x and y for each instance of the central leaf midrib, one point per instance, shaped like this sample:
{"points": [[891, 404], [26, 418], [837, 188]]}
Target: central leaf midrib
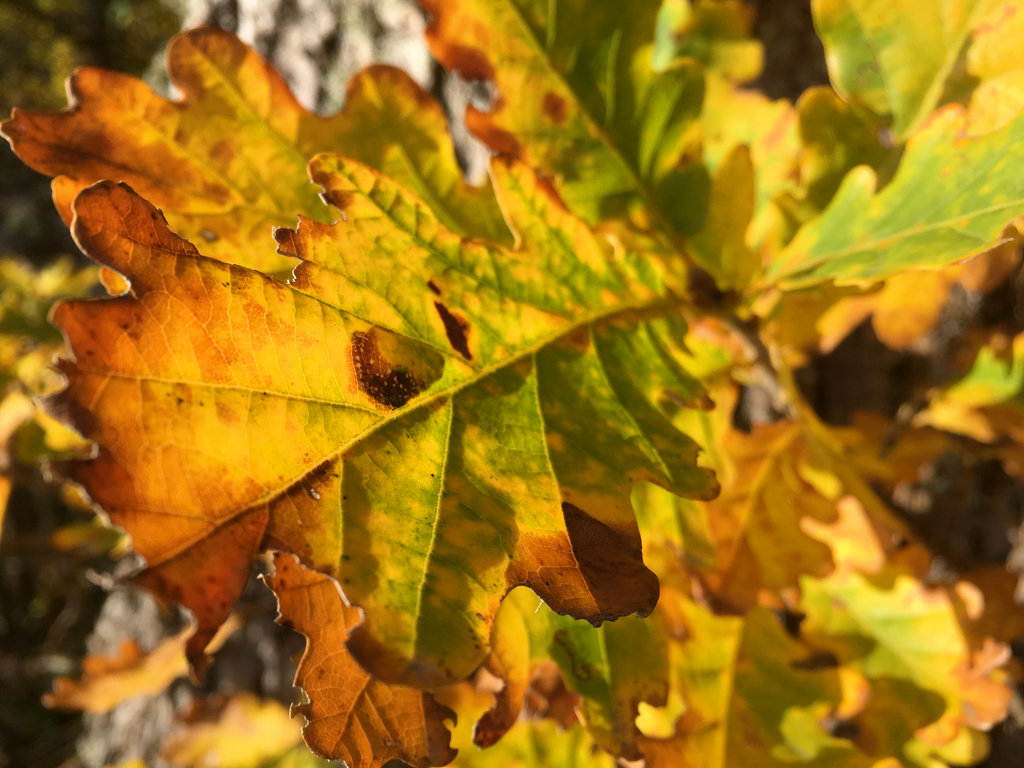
{"points": [[438, 396]]}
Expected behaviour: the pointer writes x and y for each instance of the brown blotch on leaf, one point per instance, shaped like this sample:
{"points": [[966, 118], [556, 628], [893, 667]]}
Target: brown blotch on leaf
{"points": [[388, 385], [433, 287], [553, 107], [223, 152], [612, 564], [456, 329]]}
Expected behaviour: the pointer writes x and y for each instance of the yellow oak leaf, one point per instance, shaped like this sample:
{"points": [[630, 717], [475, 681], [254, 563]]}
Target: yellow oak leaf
{"points": [[379, 415]]}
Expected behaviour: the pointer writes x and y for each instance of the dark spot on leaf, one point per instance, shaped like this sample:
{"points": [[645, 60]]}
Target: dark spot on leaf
{"points": [[433, 287], [180, 400], [791, 621], [703, 290], [388, 385], [553, 107], [223, 152], [456, 329], [287, 623], [841, 729]]}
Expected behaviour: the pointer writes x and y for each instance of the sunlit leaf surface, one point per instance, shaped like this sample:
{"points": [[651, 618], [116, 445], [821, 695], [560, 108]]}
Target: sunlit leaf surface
{"points": [[226, 162], [431, 433]]}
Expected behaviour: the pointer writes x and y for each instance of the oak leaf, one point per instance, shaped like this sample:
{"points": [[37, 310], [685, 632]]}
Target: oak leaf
{"points": [[349, 715], [428, 419], [952, 197], [538, 743], [994, 60], [784, 487], [985, 403], [899, 70], [241, 733], [718, 35], [227, 161], [733, 118], [908, 642]]}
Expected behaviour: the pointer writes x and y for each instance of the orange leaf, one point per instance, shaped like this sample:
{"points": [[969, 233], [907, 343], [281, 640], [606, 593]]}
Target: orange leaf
{"points": [[350, 715]]}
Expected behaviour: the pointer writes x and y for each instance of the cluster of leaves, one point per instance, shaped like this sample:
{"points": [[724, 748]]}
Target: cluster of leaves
{"points": [[28, 344], [465, 419]]}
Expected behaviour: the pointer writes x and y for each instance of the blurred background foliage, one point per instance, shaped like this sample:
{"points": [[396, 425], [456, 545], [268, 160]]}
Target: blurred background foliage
{"points": [[42, 41]]}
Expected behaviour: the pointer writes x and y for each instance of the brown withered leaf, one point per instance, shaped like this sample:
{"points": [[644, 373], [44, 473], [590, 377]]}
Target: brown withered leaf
{"points": [[350, 716]]}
